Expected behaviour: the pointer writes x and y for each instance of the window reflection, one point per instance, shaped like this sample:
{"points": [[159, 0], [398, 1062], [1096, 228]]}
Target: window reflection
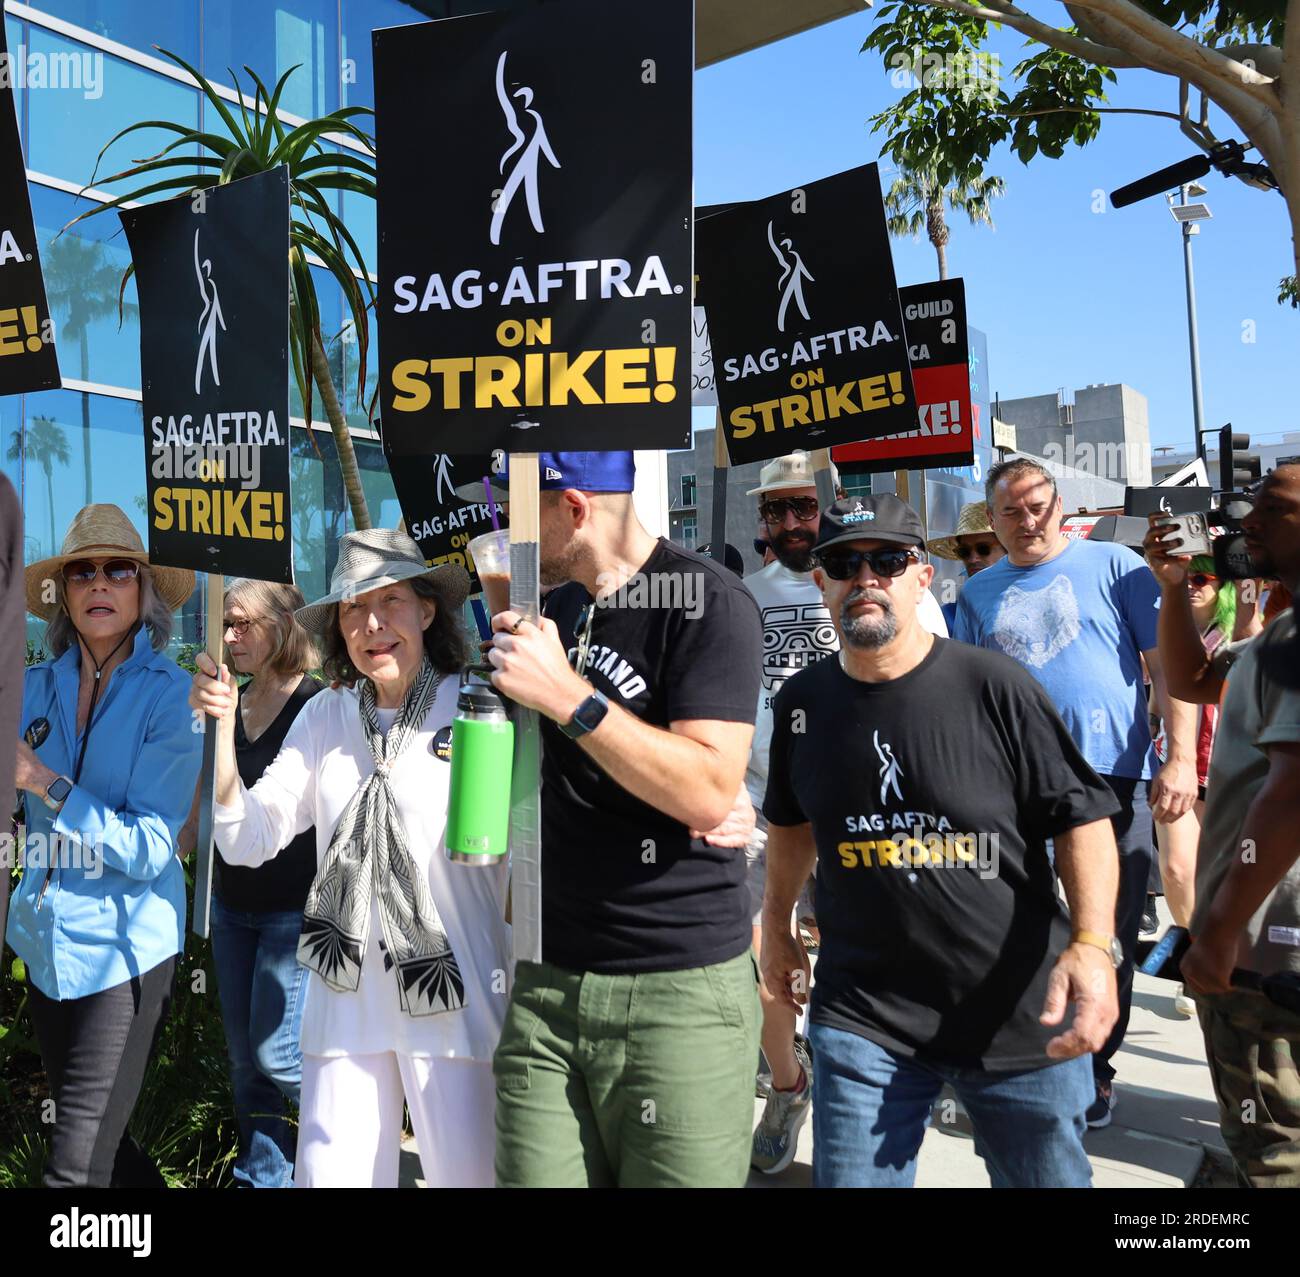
{"points": [[83, 271], [360, 18], [271, 36], [173, 26], [67, 126]]}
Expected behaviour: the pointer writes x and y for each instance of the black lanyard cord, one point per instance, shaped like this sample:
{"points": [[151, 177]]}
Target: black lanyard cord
{"points": [[94, 697]]}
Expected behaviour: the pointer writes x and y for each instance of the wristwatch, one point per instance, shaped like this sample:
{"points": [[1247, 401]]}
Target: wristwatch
{"points": [[587, 717], [56, 793], [1108, 944]]}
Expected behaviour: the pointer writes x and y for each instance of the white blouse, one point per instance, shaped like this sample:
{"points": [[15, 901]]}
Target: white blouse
{"points": [[323, 761]]}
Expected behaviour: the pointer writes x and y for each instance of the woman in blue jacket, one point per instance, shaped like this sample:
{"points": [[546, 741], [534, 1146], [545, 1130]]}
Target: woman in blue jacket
{"points": [[99, 916]]}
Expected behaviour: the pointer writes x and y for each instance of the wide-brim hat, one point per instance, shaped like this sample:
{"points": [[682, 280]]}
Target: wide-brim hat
{"points": [[374, 558], [973, 520], [794, 470], [102, 532]]}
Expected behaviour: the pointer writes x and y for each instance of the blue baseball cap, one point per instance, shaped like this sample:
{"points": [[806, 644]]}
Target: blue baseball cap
{"points": [[586, 471]]}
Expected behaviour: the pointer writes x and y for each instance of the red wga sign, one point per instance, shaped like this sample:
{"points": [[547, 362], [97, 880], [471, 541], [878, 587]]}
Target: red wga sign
{"points": [[934, 316]]}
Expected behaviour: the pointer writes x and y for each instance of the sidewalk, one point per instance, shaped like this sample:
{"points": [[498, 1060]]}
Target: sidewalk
{"points": [[1165, 1115]]}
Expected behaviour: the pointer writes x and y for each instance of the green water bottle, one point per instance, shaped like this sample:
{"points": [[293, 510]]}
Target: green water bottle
{"points": [[482, 759]]}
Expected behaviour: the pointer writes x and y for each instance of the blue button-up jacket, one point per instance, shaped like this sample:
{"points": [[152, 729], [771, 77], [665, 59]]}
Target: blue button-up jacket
{"points": [[115, 904]]}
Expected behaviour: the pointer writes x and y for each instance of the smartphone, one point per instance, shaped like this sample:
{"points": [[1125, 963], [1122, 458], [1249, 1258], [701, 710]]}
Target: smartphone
{"points": [[1192, 531]]}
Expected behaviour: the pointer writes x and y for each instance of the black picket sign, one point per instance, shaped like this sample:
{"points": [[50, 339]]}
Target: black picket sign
{"points": [[27, 356], [804, 320], [535, 250], [440, 522], [212, 270]]}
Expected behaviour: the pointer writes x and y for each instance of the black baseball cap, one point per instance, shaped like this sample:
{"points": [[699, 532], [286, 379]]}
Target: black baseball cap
{"points": [[876, 517]]}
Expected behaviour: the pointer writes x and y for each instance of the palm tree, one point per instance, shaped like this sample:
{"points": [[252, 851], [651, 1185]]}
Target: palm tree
{"points": [[258, 143], [45, 445], [82, 284], [915, 203]]}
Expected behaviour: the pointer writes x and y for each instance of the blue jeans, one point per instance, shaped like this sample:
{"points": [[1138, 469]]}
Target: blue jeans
{"points": [[871, 1108], [263, 992]]}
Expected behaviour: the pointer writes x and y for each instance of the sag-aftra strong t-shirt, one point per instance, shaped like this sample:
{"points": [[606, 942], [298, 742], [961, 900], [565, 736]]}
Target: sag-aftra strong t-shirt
{"points": [[932, 797]]}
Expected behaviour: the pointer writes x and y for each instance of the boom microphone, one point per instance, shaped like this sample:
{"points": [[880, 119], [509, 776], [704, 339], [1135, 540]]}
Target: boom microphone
{"points": [[1163, 180]]}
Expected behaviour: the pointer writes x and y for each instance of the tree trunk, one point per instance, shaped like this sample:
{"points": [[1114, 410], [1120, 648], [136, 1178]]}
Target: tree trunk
{"points": [[936, 226], [320, 371]]}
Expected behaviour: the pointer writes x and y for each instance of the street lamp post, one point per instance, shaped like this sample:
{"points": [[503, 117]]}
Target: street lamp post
{"points": [[1189, 215]]}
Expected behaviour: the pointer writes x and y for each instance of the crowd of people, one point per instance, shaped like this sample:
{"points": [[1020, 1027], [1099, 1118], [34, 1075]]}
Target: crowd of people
{"points": [[804, 834]]}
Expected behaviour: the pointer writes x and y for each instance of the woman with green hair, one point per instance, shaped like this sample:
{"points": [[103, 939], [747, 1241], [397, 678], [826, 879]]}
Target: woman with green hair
{"points": [[1214, 605]]}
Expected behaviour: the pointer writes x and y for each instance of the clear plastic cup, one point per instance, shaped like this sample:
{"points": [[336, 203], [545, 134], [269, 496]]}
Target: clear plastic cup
{"points": [[491, 555]]}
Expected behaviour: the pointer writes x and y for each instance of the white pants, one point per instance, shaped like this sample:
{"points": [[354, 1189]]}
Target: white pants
{"points": [[350, 1120]]}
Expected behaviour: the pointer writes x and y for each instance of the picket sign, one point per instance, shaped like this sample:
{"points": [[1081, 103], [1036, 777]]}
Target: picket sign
{"points": [[718, 545], [821, 460], [213, 610], [526, 778]]}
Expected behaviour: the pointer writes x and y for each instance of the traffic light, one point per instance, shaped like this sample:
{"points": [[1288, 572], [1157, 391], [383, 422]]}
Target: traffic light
{"points": [[1237, 471]]}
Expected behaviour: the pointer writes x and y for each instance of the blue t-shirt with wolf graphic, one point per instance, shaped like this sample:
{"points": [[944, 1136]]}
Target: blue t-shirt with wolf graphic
{"points": [[1078, 624]]}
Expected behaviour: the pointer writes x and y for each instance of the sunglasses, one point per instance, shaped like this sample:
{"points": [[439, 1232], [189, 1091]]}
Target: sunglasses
{"points": [[1199, 580], [982, 548], [761, 547], [116, 571], [803, 508], [844, 565]]}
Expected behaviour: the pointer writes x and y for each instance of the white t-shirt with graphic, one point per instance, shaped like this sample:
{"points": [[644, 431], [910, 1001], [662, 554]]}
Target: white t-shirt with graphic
{"points": [[797, 632]]}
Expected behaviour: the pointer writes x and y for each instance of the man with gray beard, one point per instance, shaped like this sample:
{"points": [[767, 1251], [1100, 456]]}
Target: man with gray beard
{"points": [[894, 766]]}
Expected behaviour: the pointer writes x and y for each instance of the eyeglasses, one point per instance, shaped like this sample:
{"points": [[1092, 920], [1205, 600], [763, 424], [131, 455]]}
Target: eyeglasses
{"points": [[844, 565], [116, 571], [761, 547], [803, 508], [1199, 580], [982, 548], [238, 628]]}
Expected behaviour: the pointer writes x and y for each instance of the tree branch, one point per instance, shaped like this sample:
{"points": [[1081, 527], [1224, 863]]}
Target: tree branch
{"points": [[1181, 49], [1004, 12], [1101, 110]]}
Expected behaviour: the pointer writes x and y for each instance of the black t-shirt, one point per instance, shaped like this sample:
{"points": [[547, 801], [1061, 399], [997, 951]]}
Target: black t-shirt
{"points": [[281, 884], [624, 887], [965, 759]]}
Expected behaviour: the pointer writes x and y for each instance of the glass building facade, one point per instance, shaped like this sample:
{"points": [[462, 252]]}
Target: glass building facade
{"points": [[86, 69]]}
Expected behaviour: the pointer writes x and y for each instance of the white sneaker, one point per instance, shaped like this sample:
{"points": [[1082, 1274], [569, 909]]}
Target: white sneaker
{"points": [[1184, 1005]]}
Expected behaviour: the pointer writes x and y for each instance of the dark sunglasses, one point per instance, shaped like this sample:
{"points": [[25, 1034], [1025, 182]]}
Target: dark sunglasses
{"points": [[116, 571], [761, 547], [1199, 580], [844, 565], [982, 548], [803, 508]]}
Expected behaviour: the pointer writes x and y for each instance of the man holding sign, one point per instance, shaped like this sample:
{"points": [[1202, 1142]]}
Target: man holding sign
{"points": [[628, 1053]]}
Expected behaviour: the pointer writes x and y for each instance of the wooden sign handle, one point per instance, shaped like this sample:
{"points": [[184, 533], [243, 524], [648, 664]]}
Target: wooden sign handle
{"points": [[526, 779]]}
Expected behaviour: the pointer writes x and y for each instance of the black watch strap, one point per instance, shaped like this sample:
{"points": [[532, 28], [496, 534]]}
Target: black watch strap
{"points": [[587, 717]]}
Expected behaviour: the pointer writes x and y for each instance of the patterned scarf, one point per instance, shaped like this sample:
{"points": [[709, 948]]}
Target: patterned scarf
{"points": [[369, 853]]}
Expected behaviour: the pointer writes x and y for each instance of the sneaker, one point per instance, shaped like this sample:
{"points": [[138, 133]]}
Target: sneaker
{"points": [[1150, 919], [1183, 1005], [1102, 1107], [776, 1139]]}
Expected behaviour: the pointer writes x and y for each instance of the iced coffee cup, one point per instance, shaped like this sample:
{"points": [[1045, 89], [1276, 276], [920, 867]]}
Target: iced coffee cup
{"points": [[491, 555]]}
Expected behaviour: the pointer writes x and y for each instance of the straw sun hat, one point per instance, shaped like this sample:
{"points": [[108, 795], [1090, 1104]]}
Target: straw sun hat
{"points": [[972, 521], [102, 532], [378, 557]]}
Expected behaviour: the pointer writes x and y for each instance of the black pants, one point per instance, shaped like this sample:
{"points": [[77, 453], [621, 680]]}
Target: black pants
{"points": [[95, 1051], [1133, 830]]}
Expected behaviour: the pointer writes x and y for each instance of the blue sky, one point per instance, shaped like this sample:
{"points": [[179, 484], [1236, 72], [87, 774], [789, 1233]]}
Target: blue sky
{"points": [[1067, 296]]}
